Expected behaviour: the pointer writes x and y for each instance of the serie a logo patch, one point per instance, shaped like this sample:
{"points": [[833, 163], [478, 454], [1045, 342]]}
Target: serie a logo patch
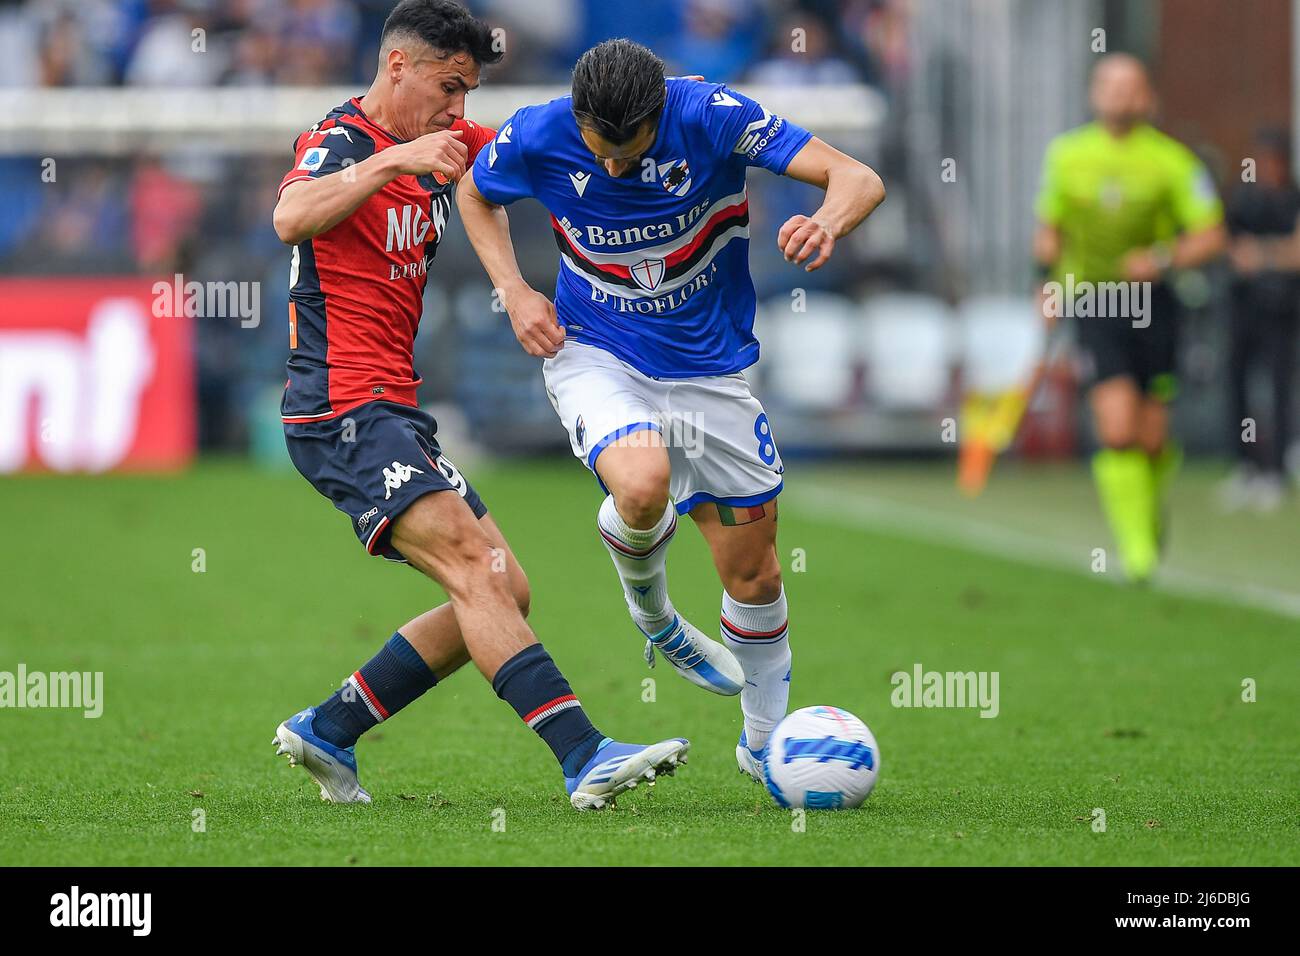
{"points": [[314, 158]]}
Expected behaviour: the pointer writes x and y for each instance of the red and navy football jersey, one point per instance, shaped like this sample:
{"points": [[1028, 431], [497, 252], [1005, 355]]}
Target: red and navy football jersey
{"points": [[356, 291]]}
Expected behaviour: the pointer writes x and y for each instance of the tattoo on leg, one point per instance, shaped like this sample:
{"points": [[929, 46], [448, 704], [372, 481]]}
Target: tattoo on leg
{"points": [[733, 516]]}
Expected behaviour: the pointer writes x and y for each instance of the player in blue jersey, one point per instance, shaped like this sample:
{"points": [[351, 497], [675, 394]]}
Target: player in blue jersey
{"points": [[652, 327]]}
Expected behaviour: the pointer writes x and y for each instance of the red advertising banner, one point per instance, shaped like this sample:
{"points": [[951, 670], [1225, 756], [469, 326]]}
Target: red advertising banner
{"points": [[91, 379]]}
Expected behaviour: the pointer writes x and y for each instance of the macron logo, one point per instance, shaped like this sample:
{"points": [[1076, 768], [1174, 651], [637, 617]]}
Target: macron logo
{"points": [[580, 181], [723, 98], [503, 138]]}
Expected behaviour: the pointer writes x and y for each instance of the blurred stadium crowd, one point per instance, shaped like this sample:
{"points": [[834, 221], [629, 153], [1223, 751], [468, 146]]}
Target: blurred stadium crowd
{"points": [[210, 216], [328, 42], [893, 329]]}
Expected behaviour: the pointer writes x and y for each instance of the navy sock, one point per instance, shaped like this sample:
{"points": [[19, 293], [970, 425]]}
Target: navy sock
{"points": [[532, 684], [385, 684]]}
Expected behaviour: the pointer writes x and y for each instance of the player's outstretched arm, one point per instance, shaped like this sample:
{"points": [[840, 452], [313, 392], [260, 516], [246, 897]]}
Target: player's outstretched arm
{"points": [[853, 190], [532, 315], [312, 206]]}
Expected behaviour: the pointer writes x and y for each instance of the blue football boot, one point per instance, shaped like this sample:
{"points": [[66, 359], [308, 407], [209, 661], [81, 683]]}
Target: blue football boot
{"points": [[333, 768]]}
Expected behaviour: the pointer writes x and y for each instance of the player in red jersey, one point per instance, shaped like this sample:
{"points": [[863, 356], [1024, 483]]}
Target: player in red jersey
{"points": [[364, 207]]}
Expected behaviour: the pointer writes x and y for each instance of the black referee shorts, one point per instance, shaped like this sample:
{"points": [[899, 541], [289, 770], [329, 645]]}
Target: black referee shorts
{"points": [[1113, 347]]}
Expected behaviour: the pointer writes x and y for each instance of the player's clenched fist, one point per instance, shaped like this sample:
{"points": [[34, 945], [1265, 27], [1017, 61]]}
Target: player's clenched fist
{"points": [[800, 237], [532, 315], [440, 152]]}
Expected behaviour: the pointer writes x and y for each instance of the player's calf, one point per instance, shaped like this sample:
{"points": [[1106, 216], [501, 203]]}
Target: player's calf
{"points": [[442, 539], [754, 619], [759, 637]]}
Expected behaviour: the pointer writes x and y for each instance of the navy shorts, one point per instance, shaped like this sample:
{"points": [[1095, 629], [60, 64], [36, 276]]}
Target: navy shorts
{"points": [[373, 462]]}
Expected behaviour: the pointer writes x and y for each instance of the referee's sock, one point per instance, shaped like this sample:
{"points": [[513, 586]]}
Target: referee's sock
{"points": [[1164, 466], [384, 685], [1127, 491]]}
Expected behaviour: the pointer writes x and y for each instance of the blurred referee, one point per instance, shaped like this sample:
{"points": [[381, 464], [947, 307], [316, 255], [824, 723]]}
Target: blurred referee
{"points": [[1122, 202]]}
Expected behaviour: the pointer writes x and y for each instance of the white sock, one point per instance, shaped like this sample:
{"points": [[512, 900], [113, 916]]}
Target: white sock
{"points": [[759, 636], [641, 559]]}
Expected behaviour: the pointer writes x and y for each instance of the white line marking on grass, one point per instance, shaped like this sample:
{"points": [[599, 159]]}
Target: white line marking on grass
{"points": [[867, 512]]}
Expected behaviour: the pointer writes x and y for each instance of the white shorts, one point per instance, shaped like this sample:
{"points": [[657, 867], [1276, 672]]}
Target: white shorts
{"points": [[720, 444]]}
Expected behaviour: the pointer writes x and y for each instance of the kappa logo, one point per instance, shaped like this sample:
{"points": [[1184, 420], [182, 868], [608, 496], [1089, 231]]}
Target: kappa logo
{"points": [[580, 431], [333, 131], [397, 476], [675, 176], [580, 181], [648, 273]]}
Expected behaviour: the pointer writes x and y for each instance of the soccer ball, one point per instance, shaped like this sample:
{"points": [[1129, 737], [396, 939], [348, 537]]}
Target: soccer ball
{"points": [[821, 758]]}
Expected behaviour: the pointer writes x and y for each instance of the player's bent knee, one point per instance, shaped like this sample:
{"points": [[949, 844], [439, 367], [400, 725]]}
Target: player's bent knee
{"points": [[452, 549], [641, 499]]}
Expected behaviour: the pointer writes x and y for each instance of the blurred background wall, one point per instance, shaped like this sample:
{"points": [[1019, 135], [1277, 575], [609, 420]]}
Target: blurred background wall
{"points": [[126, 152]]}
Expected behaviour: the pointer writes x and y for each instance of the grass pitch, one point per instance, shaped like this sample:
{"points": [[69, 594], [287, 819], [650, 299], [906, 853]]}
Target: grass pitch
{"points": [[1110, 697]]}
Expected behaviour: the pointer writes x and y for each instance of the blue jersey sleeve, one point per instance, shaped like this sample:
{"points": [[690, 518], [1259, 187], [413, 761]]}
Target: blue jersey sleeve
{"points": [[749, 131], [501, 169]]}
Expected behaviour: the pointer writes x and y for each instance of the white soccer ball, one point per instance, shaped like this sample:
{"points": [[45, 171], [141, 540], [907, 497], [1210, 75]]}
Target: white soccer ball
{"points": [[821, 758]]}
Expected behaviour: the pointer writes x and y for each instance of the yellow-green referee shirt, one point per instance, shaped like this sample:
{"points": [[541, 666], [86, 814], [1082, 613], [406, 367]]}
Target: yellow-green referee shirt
{"points": [[1108, 196]]}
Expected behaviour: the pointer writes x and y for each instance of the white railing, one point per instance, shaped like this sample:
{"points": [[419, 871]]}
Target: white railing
{"points": [[251, 120]]}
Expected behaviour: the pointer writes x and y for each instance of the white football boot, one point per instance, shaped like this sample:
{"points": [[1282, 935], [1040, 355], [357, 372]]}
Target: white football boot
{"points": [[697, 657]]}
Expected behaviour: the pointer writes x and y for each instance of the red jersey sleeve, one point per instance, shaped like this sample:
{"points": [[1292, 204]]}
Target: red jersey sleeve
{"points": [[326, 148], [475, 138]]}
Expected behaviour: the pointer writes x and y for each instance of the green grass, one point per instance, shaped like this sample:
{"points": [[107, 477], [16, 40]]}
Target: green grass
{"points": [[1113, 698]]}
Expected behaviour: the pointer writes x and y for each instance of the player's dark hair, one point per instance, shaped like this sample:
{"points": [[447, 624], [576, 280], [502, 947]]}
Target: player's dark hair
{"points": [[617, 86], [446, 26]]}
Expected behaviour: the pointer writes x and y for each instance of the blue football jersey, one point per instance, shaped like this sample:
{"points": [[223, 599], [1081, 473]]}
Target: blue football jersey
{"points": [[654, 265]]}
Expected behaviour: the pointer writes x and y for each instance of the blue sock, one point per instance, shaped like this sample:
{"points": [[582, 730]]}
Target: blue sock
{"points": [[532, 684], [385, 684]]}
